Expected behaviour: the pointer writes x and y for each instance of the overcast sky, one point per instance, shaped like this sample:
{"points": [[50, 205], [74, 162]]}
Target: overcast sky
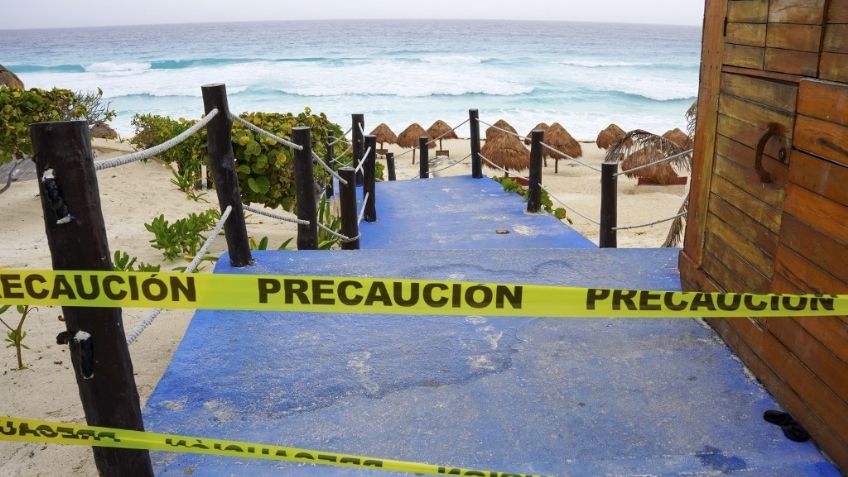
{"points": [[69, 13]]}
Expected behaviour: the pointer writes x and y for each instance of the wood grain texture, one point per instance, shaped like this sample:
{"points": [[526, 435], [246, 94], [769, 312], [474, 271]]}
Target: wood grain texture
{"points": [[792, 62], [824, 214], [825, 178], [745, 225], [744, 56], [749, 11], [817, 247], [757, 116], [824, 100], [796, 11], [743, 178], [775, 94], [747, 249], [749, 34], [758, 210], [822, 138], [836, 38], [834, 66], [794, 37], [837, 12], [738, 270], [744, 156]]}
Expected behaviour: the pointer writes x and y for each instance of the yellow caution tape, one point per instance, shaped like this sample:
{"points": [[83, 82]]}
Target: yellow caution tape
{"points": [[389, 296], [33, 430]]}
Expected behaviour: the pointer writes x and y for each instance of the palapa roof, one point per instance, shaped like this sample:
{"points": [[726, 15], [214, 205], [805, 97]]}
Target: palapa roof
{"points": [[640, 148], [7, 78], [409, 136], [384, 134], [680, 138], [506, 151], [439, 128], [542, 126], [492, 132], [558, 138], [662, 174], [609, 136]]}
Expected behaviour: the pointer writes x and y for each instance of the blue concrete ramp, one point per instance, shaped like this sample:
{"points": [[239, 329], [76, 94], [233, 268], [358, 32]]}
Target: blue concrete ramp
{"points": [[566, 397]]}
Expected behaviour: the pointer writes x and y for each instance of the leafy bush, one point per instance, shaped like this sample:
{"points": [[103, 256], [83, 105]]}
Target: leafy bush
{"points": [[122, 262], [184, 236], [510, 185], [19, 109], [15, 336], [152, 130]]}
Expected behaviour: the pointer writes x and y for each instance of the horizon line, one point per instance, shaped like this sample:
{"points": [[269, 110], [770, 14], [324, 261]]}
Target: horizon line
{"points": [[316, 20]]}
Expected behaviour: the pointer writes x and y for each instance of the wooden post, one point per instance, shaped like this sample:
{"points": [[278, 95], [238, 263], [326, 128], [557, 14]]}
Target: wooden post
{"points": [[304, 181], [76, 235], [329, 159], [534, 189], [424, 162], [347, 204], [609, 205], [358, 145], [223, 165], [390, 165], [370, 187], [476, 164]]}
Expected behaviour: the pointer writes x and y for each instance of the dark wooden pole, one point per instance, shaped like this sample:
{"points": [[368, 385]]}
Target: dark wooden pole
{"points": [[304, 182], [76, 235], [609, 205], [534, 189], [424, 160], [347, 203], [390, 165], [223, 165], [329, 158], [370, 186], [476, 162], [358, 145]]}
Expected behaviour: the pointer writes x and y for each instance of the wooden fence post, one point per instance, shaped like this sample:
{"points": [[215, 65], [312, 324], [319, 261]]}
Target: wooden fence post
{"points": [[304, 181], [223, 165], [609, 205], [424, 160], [370, 187], [329, 159], [358, 145], [534, 189], [390, 165], [76, 235], [476, 164], [347, 204]]}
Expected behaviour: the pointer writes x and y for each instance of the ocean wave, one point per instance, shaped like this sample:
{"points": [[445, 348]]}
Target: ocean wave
{"points": [[625, 64], [113, 67], [47, 68]]}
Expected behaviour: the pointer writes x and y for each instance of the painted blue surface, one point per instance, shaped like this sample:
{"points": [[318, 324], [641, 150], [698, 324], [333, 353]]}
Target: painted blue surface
{"points": [[460, 213], [566, 397]]}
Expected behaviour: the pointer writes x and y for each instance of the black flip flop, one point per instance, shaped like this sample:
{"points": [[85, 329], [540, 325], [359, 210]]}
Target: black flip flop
{"points": [[790, 427]]}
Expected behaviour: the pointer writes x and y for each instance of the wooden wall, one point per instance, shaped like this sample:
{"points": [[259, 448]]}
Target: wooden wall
{"points": [[783, 63]]}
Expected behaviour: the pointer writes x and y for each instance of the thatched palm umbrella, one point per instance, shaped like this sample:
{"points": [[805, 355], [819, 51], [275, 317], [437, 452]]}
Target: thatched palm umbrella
{"points": [[504, 149], [384, 135], [542, 126], [7, 78], [409, 138], [609, 136], [680, 138], [640, 148], [441, 130], [558, 138]]}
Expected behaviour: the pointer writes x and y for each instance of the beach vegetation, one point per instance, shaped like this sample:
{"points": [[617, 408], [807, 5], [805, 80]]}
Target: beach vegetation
{"points": [[183, 236], [326, 240], [511, 185], [263, 243], [15, 336], [123, 262]]}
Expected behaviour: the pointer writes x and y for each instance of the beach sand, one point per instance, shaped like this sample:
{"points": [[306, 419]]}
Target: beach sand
{"points": [[135, 194]]}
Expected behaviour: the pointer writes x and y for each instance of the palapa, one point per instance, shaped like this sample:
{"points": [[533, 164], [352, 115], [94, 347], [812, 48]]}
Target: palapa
{"points": [[506, 151], [680, 138], [384, 134], [609, 136], [7, 78], [492, 132], [542, 126], [558, 138], [641, 148], [441, 130], [409, 136]]}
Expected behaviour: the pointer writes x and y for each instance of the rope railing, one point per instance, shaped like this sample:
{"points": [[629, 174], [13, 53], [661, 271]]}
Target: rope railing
{"points": [[568, 207], [156, 150], [138, 330], [655, 163], [343, 238], [362, 162], [362, 210], [574, 159], [451, 165], [359, 125], [642, 226], [501, 168], [336, 140], [328, 168], [265, 133], [271, 215], [433, 141], [519, 136]]}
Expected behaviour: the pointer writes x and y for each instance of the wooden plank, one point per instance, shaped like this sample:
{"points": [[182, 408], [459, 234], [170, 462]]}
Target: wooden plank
{"points": [[838, 11], [748, 250], [796, 11], [801, 271], [824, 100], [822, 213], [822, 138], [749, 135], [750, 34], [794, 37], [748, 11], [771, 75], [834, 66], [777, 95], [744, 56], [744, 156], [745, 179], [754, 113], [745, 225], [836, 38], [825, 178], [715, 267], [739, 271], [817, 247], [751, 206], [791, 61]]}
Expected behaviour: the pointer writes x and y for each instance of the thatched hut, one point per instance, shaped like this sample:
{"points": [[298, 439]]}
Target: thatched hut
{"points": [[7, 78], [441, 130], [409, 138], [542, 126], [680, 138], [384, 135], [492, 132], [505, 150], [609, 136], [558, 138], [641, 148], [661, 174]]}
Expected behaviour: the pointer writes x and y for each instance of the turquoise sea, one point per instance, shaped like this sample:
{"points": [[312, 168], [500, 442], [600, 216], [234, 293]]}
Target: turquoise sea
{"points": [[583, 75]]}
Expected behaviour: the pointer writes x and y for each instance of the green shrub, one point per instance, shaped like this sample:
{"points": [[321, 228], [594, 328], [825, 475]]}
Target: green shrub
{"points": [[184, 236], [19, 109], [511, 185]]}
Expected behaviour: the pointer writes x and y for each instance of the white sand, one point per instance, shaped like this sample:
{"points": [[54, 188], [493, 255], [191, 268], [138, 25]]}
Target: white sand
{"points": [[135, 194]]}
